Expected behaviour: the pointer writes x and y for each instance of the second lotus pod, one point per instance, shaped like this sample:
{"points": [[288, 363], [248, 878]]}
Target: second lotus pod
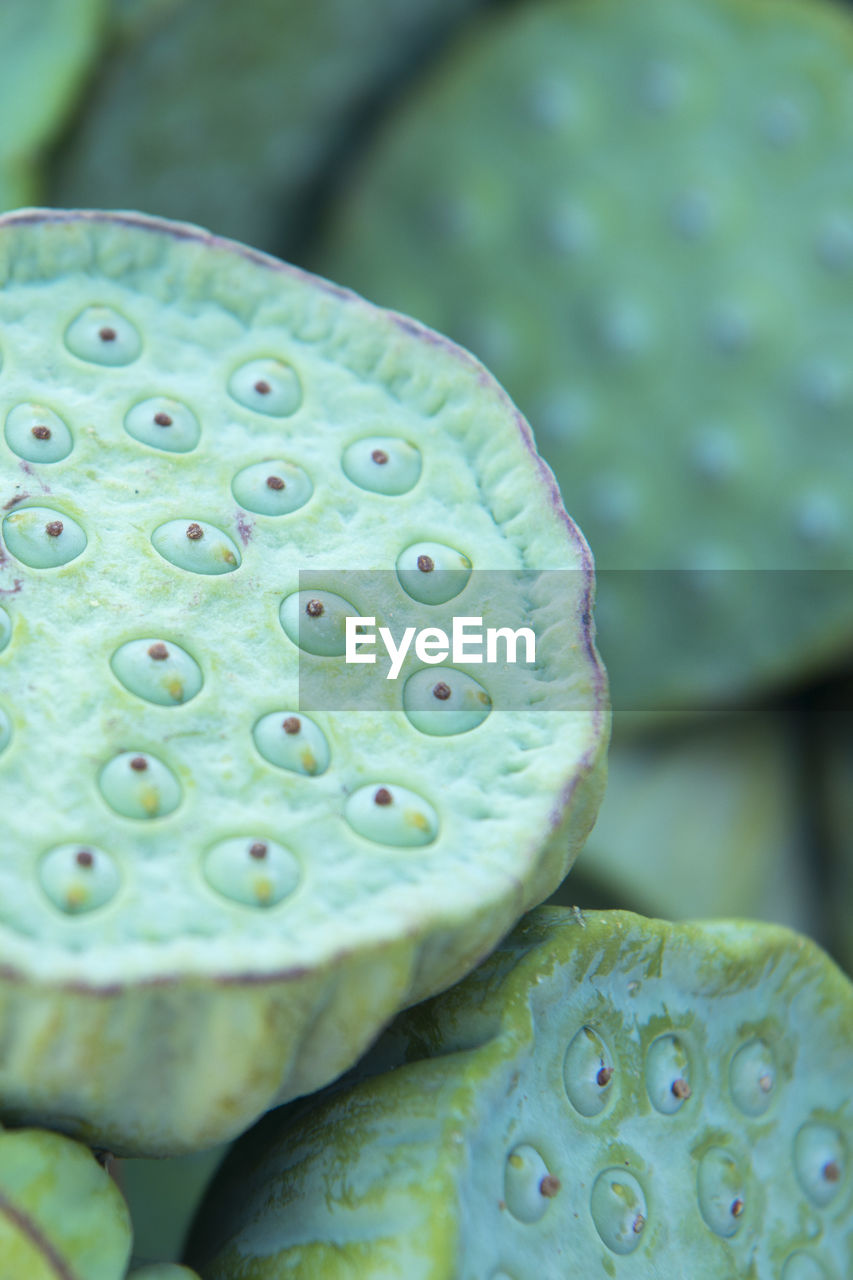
{"points": [[212, 898], [607, 1096]]}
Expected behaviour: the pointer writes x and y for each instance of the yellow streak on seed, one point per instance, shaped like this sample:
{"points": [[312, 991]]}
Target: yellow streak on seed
{"points": [[416, 819], [309, 761], [175, 690], [149, 798], [76, 897], [262, 887]]}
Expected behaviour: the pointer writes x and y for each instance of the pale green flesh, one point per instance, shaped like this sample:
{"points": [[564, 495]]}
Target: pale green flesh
{"points": [[637, 213], [147, 789], [719, 1138]]}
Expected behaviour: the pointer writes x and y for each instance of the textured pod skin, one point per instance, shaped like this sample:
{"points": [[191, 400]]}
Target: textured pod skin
{"points": [[171, 896], [61, 1215], [158, 134], [605, 1095], [636, 212], [45, 52]]}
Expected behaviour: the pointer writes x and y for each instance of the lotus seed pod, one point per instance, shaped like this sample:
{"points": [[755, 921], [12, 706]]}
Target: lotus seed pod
{"points": [[210, 899], [61, 1214], [702, 822], [604, 1087], [46, 50], [637, 215], [247, 162]]}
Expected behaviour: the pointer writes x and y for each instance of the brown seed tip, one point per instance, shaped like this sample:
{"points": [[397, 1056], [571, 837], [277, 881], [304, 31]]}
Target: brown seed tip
{"points": [[158, 651], [139, 763], [380, 457], [314, 608], [638, 1224], [737, 1207], [291, 724], [53, 528], [604, 1076], [441, 691], [194, 531], [426, 564], [275, 482], [162, 419], [258, 850], [84, 858], [262, 387], [680, 1088], [382, 796], [831, 1171], [107, 334], [41, 433], [765, 1083], [549, 1186]]}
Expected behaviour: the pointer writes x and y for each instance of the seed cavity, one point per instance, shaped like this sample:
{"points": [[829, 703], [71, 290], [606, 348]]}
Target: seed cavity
{"points": [[274, 487], [292, 742], [138, 785], [820, 1159], [752, 1077], [667, 1074], [164, 424], [525, 1175], [619, 1210], [36, 537], [382, 464], [196, 546], [163, 674], [37, 434], [432, 573], [250, 871], [588, 1071], [78, 880], [391, 815], [316, 621], [457, 703], [100, 335], [721, 1191], [267, 386]]}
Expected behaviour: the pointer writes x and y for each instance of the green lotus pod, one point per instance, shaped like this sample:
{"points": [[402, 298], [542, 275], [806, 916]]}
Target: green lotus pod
{"points": [[61, 1215], [637, 214], [706, 822], [46, 49], [159, 134], [193, 924], [605, 1096]]}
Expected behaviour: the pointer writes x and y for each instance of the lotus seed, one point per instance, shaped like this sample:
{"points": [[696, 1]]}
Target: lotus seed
{"points": [[618, 1207], [196, 546], [819, 1158], [752, 1076], [433, 573], [721, 1191], [78, 880], [100, 335], [37, 434], [139, 786], [34, 536], [392, 816], [382, 465], [464, 703], [272, 488], [667, 1074], [256, 873], [524, 1175], [267, 386], [292, 742], [167, 676], [163, 424], [315, 621], [588, 1072]]}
